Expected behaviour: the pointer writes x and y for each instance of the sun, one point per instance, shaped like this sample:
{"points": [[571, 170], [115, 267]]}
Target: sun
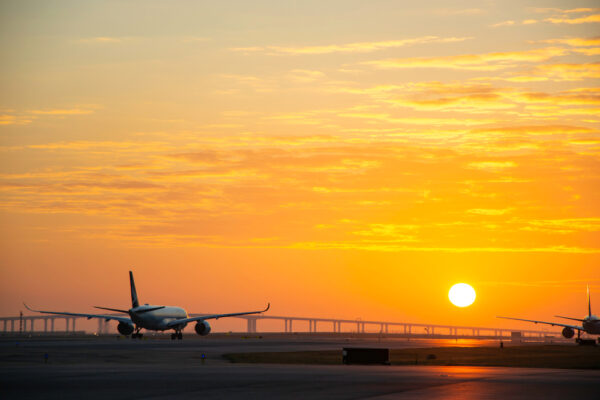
{"points": [[461, 295]]}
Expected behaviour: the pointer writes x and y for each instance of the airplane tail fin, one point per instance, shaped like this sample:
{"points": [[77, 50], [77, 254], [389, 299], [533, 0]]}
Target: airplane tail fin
{"points": [[589, 301], [134, 298]]}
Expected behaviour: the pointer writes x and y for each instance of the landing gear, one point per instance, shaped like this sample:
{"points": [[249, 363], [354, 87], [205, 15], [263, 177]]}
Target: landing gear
{"points": [[137, 334], [177, 335]]}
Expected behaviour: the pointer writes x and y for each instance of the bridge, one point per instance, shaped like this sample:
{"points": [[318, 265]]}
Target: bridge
{"points": [[334, 325], [27, 324]]}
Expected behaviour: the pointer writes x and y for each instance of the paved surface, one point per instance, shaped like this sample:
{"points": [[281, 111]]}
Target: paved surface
{"points": [[161, 369]]}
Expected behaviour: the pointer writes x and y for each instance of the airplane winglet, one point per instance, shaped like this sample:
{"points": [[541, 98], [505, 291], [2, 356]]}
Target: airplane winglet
{"points": [[27, 307], [267, 309]]}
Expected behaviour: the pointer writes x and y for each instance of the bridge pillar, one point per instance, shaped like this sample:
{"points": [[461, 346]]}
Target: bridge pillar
{"points": [[387, 328], [45, 325], [5, 324], [52, 324], [32, 326], [363, 327], [433, 330], [251, 325], [12, 325], [358, 327], [73, 324]]}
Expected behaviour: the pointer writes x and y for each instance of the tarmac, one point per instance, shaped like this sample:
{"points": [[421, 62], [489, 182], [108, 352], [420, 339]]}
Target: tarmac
{"points": [[107, 367]]}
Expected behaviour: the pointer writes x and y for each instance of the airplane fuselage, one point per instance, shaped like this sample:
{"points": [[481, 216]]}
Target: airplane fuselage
{"points": [[156, 319], [591, 325]]}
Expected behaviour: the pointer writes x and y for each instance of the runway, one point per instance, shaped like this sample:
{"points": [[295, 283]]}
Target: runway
{"points": [[161, 369]]}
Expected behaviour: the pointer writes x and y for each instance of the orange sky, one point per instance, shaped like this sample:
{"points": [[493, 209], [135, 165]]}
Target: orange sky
{"points": [[347, 159]]}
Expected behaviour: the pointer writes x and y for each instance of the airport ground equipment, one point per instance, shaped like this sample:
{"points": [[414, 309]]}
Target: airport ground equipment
{"points": [[365, 355]]}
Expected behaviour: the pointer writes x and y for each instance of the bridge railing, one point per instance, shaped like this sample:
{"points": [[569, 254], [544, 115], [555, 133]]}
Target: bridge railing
{"points": [[46, 323]]}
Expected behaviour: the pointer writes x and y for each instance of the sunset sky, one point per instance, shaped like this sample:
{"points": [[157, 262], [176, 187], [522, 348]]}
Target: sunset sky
{"points": [[336, 158]]}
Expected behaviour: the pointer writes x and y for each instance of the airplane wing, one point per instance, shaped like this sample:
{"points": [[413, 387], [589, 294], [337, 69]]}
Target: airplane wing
{"points": [[214, 316], [88, 316], [579, 328]]}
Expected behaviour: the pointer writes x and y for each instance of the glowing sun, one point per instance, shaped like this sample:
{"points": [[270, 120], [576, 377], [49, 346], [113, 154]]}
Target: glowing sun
{"points": [[461, 295]]}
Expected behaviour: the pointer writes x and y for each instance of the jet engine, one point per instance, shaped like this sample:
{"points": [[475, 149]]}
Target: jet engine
{"points": [[202, 328], [568, 332], [124, 328]]}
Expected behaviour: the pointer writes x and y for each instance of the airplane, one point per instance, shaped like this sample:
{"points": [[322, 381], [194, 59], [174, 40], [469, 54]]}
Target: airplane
{"points": [[589, 324], [155, 318]]}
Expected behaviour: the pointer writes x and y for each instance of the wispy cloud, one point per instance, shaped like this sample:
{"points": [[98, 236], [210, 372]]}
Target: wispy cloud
{"points": [[11, 119], [503, 23], [482, 62], [102, 40], [358, 47], [492, 166], [71, 111], [563, 283], [512, 23], [460, 11], [574, 41], [574, 21], [390, 247], [489, 211], [565, 11]]}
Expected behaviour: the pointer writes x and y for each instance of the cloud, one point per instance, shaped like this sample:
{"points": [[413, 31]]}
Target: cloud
{"points": [[358, 47], [489, 211], [475, 62], [574, 41], [565, 98], [305, 76], [534, 130], [492, 166], [71, 111], [574, 21], [464, 11], [563, 11], [563, 283], [12, 117], [102, 40], [390, 247], [555, 72], [387, 118], [566, 225], [512, 23], [392, 232], [503, 23], [8, 119]]}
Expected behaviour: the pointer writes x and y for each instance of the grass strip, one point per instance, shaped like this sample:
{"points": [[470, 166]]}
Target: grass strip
{"points": [[550, 356]]}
